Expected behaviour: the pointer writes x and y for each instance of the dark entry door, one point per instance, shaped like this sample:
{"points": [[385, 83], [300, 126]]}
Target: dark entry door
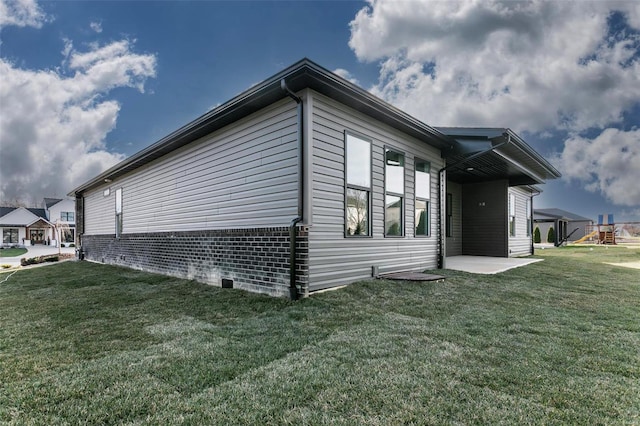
{"points": [[36, 236]]}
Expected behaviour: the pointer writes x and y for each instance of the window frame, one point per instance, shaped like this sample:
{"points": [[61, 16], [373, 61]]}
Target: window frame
{"points": [[449, 215], [395, 194], [64, 216], [17, 233], [417, 198], [512, 215], [118, 214], [347, 185], [529, 221]]}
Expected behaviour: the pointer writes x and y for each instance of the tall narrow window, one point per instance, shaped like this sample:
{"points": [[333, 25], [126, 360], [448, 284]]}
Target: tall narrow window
{"points": [[422, 193], [449, 211], [358, 186], [394, 193], [529, 224], [118, 212], [512, 215]]}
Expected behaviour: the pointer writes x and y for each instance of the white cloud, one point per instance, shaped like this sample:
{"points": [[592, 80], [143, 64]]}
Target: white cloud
{"points": [[609, 164], [529, 65], [535, 66], [54, 125], [21, 13], [96, 26], [346, 75]]}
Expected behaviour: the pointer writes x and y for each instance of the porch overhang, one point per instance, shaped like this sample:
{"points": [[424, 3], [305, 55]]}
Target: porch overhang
{"points": [[505, 156]]}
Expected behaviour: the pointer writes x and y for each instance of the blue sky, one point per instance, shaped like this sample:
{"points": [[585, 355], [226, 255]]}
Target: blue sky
{"points": [[85, 84]]}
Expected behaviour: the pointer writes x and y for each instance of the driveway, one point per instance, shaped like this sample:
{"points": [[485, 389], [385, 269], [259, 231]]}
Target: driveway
{"points": [[34, 251]]}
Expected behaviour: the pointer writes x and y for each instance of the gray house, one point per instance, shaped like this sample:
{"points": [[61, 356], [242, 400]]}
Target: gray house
{"points": [[564, 223], [304, 182]]}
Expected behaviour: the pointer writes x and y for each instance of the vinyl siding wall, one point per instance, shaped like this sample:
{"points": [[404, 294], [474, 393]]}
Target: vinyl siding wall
{"points": [[242, 176], [520, 244], [333, 258]]}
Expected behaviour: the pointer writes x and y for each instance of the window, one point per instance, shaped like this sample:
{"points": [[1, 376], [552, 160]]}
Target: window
{"points": [[68, 235], [512, 215], [529, 224], [394, 193], [422, 193], [449, 219], [10, 236], [118, 212], [67, 216], [358, 186]]}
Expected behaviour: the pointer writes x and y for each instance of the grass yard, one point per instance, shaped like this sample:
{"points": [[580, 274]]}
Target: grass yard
{"points": [[12, 252], [555, 342]]}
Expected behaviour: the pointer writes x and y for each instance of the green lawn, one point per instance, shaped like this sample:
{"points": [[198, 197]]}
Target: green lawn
{"points": [[12, 252], [555, 342]]}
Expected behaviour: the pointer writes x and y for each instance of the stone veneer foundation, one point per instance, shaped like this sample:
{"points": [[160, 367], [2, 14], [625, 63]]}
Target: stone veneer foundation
{"points": [[255, 259]]}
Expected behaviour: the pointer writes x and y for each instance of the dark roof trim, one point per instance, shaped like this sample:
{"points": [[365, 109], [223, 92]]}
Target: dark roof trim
{"points": [[301, 75], [515, 159]]}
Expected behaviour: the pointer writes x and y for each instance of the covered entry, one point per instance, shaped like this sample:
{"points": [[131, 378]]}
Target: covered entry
{"points": [[487, 193]]}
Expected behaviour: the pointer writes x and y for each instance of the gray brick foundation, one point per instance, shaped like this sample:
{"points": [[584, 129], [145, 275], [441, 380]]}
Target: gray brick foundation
{"points": [[256, 260]]}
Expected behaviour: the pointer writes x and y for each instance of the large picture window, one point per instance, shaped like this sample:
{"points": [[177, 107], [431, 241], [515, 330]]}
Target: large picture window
{"points": [[10, 236], [118, 212], [512, 215], [358, 186], [394, 193], [422, 194]]}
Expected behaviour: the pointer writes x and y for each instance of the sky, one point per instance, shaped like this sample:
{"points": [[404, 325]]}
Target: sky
{"points": [[85, 84]]}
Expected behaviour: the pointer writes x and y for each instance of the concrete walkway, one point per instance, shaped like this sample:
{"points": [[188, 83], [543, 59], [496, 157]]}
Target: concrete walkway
{"points": [[486, 264], [34, 251]]}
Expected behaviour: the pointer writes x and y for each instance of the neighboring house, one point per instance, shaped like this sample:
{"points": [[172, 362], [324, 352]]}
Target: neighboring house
{"points": [[564, 224], [304, 182], [62, 212], [27, 226], [24, 226]]}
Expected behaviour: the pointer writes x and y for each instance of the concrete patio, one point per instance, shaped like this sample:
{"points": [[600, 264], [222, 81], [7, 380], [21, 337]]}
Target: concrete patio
{"points": [[486, 264]]}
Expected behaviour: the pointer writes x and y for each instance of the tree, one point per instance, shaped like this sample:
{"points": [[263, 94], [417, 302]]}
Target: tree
{"points": [[536, 235], [551, 235]]}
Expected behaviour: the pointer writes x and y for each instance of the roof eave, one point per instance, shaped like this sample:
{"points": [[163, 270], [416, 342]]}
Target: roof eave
{"points": [[301, 75]]}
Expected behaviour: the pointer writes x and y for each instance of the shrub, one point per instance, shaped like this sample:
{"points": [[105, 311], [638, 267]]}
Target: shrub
{"points": [[536, 235], [551, 235], [40, 259]]}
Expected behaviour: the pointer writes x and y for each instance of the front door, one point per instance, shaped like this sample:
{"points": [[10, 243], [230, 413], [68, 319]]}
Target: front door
{"points": [[36, 236]]}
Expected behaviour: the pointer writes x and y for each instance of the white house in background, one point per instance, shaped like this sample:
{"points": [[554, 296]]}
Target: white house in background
{"points": [[62, 213], [26, 226], [306, 181]]}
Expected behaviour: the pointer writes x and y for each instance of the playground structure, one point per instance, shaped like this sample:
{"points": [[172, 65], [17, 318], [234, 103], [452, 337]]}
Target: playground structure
{"points": [[602, 233], [606, 231]]}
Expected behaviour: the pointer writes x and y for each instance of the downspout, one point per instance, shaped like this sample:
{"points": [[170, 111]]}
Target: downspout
{"points": [[442, 187], [293, 288]]}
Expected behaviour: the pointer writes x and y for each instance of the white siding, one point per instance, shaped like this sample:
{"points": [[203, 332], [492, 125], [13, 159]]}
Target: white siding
{"points": [[520, 245], [99, 212], [62, 206], [336, 259], [19, 216], [244, 175]]}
